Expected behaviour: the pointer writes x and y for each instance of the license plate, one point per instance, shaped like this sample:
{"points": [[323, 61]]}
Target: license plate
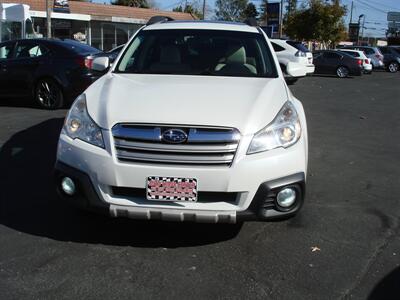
{"points": [[171, 189]]}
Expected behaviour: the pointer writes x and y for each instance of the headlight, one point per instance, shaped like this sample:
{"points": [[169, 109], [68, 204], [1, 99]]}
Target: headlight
{"points": [[79, 125], [283, 131]]}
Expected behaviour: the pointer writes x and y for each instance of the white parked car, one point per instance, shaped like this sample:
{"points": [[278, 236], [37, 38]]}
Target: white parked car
{"points": [[358, 54], [292, 51], [193, 122]]}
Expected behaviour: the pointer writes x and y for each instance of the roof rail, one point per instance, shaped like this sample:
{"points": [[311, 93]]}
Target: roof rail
{"points": [[251, 22], [159, 19]]}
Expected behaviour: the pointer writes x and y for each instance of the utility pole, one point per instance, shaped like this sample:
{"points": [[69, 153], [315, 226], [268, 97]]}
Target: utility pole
{"points": [[48, 17], [351, 12], [281, 20], [204, 9], [362, 29]]}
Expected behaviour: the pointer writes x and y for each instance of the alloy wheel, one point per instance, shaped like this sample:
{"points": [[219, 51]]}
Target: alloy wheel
{"points": [[342, 72], [48, 94], [393, 67]]}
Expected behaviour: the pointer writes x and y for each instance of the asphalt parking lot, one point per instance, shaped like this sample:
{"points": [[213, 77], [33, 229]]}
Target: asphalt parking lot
{"points": [[344, 244]]}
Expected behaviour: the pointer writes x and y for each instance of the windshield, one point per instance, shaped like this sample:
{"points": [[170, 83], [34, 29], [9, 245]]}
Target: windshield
{"points": [[198, 52]]}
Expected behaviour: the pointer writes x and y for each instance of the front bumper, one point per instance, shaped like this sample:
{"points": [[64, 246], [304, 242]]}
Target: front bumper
{"points": [[263, 206], [228, 192]]}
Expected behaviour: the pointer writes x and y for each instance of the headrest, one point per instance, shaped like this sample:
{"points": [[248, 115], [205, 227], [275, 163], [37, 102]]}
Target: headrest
{"points": [[236, 54]]}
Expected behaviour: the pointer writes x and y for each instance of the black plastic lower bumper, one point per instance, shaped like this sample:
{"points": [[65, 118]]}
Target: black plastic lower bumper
{"points": [[263, 206], [85, 197]]}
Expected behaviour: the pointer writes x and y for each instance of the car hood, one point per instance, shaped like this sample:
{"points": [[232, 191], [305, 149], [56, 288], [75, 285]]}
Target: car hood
{"points": [[247, 104]]}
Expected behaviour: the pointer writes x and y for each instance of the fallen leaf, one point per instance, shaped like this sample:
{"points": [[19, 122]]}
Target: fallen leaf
{"points": [[315, 248]]}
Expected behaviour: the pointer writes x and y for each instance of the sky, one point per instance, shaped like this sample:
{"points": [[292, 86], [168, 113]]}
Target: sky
{"points": [[375, 11]]}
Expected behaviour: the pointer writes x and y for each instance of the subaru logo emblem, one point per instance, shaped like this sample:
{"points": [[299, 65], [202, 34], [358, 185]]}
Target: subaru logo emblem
{"points": [[174, 136]]}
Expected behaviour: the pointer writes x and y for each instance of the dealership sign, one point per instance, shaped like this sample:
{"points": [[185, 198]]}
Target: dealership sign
{"points": [[354, 31], [393, 16], [61, 6]]}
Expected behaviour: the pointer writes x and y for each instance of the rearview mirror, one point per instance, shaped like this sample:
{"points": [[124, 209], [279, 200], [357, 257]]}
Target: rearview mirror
{"points": [[101, 63], [296, 70]]}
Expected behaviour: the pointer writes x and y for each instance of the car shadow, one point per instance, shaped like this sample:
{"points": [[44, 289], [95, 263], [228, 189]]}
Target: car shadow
{"points": [[388, 288], [18, 102], [331, 76], [29, 203]]}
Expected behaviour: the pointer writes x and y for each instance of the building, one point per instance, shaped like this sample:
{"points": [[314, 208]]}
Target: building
{"points": [[100, 25]]}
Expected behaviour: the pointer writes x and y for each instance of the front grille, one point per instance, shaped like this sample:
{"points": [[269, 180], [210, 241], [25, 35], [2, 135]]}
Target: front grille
{"points": [[203, 145], [202, 197]]}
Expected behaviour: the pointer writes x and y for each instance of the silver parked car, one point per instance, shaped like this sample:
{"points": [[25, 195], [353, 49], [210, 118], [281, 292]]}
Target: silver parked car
{"points": [[372, 53]]}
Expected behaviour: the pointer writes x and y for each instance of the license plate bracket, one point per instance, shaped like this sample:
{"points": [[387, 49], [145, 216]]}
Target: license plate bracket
{"points": [[159, 188]]}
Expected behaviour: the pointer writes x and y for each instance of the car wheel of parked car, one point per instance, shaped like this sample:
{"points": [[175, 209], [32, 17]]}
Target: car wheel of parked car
{"points": [[393, 67], [342, 72], [48, 94]]}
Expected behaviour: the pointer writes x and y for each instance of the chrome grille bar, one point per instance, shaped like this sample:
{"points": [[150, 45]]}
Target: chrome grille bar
{"points": [[204, 146]]}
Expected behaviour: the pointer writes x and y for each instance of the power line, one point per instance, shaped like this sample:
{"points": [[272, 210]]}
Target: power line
{"points": [[371, 6], [382, 4]]}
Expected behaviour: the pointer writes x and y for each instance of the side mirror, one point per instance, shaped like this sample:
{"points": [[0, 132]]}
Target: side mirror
{"points": [[101, 63], [296, 70]]}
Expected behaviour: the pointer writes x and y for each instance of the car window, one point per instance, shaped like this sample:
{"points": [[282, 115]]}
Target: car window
{"points": [[331, 55], [354, 54], [397, 50], [25, 50], [384, 50], [298, 46], [77, 47], [198, 52], [277, 48], [317, 54], [368, 51], [6, 51]]}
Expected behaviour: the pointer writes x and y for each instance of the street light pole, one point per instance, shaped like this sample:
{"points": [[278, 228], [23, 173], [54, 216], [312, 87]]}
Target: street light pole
{"points": [[362, 29], [281, 20], [48, 17], [358, 33], [204, 9]]}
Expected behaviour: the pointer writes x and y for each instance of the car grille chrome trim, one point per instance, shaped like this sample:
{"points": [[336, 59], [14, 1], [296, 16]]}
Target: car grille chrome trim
{"points": [[143, 143]]}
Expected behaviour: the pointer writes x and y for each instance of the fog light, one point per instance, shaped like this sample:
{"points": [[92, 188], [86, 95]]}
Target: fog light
{"points": [[286, 197], [68, 186]]}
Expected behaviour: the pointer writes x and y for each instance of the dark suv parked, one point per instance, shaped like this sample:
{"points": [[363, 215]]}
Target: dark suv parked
{"points": [[391, 58], [53, 72]]}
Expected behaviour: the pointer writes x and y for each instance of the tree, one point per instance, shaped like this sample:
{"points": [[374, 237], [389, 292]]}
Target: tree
{"points": [[291, 7], [132, 3], [318, 20], [250, 11], [264, 11], [230, 10], [192, 8]]}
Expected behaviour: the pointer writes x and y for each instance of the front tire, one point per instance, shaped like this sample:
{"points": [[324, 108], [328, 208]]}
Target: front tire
{"points": [[342, 72], [48, 94], [291, 80], [393, 67]]}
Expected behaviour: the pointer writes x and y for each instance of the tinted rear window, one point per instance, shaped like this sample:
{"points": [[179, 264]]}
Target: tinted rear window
{"points": [[298, 46], [368, 50], [397, 50], [78, 48], [355, 54]]}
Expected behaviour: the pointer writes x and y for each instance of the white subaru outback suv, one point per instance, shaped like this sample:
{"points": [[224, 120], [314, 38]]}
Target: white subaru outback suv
{"points": [[193, 122]]}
